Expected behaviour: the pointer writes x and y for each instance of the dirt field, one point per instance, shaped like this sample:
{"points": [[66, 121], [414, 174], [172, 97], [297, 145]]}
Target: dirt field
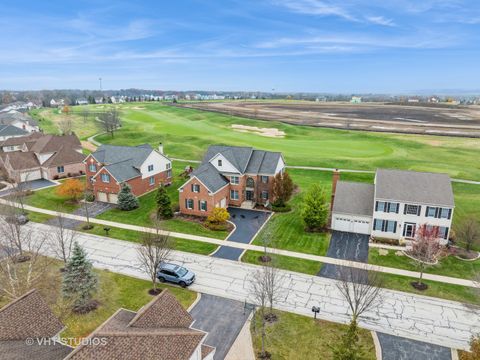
{"points": [[460, 121]]}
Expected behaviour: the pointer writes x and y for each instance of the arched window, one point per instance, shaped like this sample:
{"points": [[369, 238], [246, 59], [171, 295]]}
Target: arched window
{"points": [[250, 183]]}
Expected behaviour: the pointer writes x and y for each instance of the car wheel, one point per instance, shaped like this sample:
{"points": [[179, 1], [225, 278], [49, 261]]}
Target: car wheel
{"points": [[161, 279], [182, 284]]}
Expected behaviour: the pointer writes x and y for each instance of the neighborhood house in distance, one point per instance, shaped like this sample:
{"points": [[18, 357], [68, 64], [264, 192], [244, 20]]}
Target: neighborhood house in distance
{"points": [[395, 206], [38, 156], [141, 167], [230, 176]]}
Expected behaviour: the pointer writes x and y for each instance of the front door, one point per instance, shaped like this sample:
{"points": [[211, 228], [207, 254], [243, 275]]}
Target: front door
{"points": [[249, 195], [409, 230]]}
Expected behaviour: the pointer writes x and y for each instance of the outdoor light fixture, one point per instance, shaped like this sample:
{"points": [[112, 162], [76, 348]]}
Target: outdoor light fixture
{"points": [[315, 310]]}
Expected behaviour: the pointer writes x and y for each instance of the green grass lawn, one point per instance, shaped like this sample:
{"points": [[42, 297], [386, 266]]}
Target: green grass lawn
{"points": [[49, 199], [295, 337], [187, 133], [448, 266], [195, 247], [284, 262]]}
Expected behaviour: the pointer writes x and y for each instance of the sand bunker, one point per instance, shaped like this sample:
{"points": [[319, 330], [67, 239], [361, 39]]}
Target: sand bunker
{"points": [[268, 132], [138, 108]]}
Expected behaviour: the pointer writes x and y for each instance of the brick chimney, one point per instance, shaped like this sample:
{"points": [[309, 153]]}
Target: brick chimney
{"points": [[335, 178]]}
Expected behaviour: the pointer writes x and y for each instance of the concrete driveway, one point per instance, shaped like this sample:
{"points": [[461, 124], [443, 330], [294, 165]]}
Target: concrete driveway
{"points": [[348, 246], [398, 348], [94, 209], [222, 318], [247, 223]]}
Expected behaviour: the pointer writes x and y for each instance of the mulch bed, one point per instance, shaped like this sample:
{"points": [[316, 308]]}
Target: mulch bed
{"points": [[92, 305], [154, 292], [419, 286], [463, 254]]}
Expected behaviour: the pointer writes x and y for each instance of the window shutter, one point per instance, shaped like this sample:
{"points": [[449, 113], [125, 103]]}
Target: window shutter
{"points": [[449, 214], [376, 205], [191, 186], [394, 227], [446, 233], [186, 203], [404, 210], [437, 212], [427, 209], [374, 224], [398, 208], [386, 207], [206, 206], [419, 210], [199, 205]]}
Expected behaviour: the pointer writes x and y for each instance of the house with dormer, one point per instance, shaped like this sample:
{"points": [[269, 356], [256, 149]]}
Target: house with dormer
{"points": [[230, 176], [395, 205], [141, 167]]}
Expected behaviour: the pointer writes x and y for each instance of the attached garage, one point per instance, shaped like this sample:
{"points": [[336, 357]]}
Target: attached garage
{"points": [[113, 198], [353, 207], [348, 223], [102, 197], [30, 175]]}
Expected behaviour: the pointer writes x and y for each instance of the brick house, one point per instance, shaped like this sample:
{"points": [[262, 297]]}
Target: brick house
{"points": [[39, 156], [230, 176], [142, 167]]}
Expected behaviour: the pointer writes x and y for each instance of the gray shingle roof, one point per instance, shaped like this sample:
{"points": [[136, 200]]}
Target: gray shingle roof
{"points": [[10, 130], [415, 187], [354, 198], [123, 162], [263, 162], [210, 177], [9, 117], [238, 156]]}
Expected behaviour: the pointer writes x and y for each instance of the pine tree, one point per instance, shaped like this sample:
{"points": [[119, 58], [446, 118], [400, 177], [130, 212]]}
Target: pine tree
{"points": [[349, 347], [315, 208], [126, 200], [164, 205], [79, 280]]}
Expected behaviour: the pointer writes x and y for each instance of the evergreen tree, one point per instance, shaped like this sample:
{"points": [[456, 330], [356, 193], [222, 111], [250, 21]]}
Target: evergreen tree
{"points": [[79, 280], [126, 200], [164, 205], [349, 348], [315, 208]]}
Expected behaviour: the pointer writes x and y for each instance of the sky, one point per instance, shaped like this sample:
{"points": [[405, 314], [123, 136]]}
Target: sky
{"points": [[348, 46]]}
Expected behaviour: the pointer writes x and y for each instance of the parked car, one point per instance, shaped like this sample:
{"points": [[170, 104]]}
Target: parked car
{"points": [[175, 274], [19, 219]]}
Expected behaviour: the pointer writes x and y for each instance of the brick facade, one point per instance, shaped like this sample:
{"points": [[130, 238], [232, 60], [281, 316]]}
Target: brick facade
{"points": [[72, 169]]}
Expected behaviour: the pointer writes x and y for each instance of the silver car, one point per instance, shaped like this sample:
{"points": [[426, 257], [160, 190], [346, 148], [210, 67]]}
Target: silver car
{"points": [[175, 274]]}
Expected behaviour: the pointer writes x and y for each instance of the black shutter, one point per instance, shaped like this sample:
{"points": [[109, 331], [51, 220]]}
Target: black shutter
{"points": [[446, 233], [387, 207], [426, 211], [449, 214], [199, 205], [186, 203], [191, 185], [398, 208], [376, 205], [437, 212], [394, 227], [419, 210], [404, 209], [206, 206]]}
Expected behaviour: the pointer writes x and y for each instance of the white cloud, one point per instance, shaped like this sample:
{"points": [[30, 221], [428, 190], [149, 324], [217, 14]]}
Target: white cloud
{"points": [[380, 20], [316, 7]]}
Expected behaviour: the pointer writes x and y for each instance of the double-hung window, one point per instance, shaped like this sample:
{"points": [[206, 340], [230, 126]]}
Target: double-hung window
{"points": [[431, 211], [189, 204], [443, 232], [150, 168], [92, 168], [445, 213], [264, 179], [202, 205], [265, 195], [234, 180], [169, 166], [195, 188], [151, 180], [438, 212], [385, 225], [219, 162], [234, 194], [60, 169], [105, 178], [410, 209], [387, 207]]}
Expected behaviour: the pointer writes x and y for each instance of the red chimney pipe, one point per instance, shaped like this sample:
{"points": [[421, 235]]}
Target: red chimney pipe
{"points": [[335, 178]]}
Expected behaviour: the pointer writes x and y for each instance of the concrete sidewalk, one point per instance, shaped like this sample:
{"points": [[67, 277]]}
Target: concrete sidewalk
{"points": [[427, 319], [322, 259]]}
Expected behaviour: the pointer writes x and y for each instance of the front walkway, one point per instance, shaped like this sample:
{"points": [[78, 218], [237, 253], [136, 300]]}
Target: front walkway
{"points": [[422, 318], [247, 224], [322, 259]]}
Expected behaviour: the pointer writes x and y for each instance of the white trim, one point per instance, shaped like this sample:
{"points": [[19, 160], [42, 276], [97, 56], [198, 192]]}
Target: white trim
{"points": [[378, 347], [199, 296]]}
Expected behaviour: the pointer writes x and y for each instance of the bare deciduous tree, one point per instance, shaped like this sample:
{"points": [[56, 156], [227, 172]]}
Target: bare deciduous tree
{"points": [[154, 249], [425, 250], [360, 288], [110, 121], [19, 275], [469, 232], [273, 283], [85, 114], [259, 291], [66, 125], [62, 238], [13, 235]]}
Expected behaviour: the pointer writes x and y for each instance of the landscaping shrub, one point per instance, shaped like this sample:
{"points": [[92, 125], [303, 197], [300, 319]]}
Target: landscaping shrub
{"points": [[89, 196], [126, 200], [282, 189], [217, 220], [281, 209], [164, 204], [315, 208], [72, 188], [386, 241]]}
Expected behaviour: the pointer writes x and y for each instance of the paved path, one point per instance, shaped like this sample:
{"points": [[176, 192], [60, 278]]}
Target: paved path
{"points": [[222, 318], [346, 246], [247, 224], [30, 185], [395, 348], [322, 259], [422, 318]]}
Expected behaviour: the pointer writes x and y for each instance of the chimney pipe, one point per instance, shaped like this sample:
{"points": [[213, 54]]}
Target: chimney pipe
{"points": [[160, 148], [335, 178]]}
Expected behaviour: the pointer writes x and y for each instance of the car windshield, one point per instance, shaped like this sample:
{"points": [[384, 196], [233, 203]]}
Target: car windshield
{"points": [[181, 271]]}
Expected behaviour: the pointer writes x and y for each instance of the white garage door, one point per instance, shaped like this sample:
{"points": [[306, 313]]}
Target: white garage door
{"points": [[101, 196], [31, 175], [223, 203], [113, 198], [360, 226]]}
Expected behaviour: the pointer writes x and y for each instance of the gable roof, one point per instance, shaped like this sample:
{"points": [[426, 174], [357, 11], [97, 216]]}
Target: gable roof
{"points": [[238, 156], [415, 187], [28, 317], [263, 162], [64, 156], [209, 176], [22, 160], [20, 140], [9, 117], [52, 143], [160, 330], [10, 130], [354, 198]]}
